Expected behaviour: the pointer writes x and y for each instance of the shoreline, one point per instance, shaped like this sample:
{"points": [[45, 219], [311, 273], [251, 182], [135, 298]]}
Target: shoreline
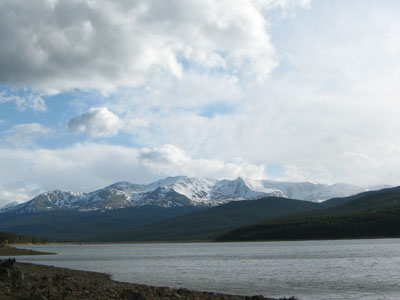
{"points": [[32, 281], [194, 242], [8, 250]]}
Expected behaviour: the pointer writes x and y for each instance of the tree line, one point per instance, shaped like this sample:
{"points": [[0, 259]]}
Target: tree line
{"points": [[13, 238], [369, 224]]}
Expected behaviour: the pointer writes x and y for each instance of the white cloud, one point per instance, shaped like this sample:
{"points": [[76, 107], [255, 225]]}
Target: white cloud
{"points": [[334, 94], [26, 134], [329, 111], [97, 122], [170, 160], [281, 3], [86, 167], [31, 101], [61, 45], [18, 194]]}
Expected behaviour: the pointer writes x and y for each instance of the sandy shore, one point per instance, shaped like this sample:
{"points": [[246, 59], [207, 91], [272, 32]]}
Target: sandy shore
{"points": [[23, 281]]}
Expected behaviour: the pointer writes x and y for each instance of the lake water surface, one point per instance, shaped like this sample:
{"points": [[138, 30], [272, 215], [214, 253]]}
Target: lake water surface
{"points": [[309, 270]]}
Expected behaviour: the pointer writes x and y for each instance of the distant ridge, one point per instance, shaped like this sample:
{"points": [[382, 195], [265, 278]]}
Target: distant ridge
{"points": [[374, 214], [190, 222], [181, 191]]}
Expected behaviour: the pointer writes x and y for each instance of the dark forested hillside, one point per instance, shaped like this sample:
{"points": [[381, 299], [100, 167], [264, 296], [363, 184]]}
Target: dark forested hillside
{"points": [[151, 223], [209, 223], [362, 225], [66, 225], [381, 199], [373, 214]]}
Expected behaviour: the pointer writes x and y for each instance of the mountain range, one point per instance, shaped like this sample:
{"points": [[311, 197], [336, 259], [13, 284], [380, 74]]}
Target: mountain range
{"points": [[124, 212], [181, 191]]}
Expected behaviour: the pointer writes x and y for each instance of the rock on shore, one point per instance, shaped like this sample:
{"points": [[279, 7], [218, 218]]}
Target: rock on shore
{"points": [[23, 281]]}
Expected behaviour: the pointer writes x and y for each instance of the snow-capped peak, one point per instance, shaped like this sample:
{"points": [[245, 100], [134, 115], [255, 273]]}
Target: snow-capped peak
{"points": [[191, 187]]}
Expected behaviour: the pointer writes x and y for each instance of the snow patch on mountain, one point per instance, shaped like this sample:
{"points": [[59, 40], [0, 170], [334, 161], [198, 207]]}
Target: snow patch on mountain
{"points": [[52, 200]]}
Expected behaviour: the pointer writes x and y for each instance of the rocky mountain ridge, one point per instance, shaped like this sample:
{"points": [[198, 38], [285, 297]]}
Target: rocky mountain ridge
{"points": [[181, 191]]}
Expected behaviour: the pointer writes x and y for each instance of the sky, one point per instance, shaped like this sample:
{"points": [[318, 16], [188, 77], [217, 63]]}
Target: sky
{"points": [[95, 92]]}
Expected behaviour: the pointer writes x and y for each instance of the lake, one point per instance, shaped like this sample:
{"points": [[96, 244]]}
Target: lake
{"points": [[309, 270]]}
